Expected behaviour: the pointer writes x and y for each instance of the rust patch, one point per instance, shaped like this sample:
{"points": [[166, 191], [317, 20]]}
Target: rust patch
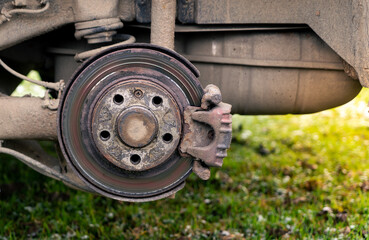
{"points": [[208, 132]]}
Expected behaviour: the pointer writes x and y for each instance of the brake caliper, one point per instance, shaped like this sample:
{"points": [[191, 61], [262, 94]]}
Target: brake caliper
{"points": [[207, 132]]}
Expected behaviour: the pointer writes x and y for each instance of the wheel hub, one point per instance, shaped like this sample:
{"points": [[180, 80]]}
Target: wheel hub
{"points": [[136, 124], [137, 127]]}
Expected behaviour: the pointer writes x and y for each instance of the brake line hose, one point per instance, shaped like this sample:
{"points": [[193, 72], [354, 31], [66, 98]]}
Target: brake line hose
{"points": [[58, 86], [5, 14]]}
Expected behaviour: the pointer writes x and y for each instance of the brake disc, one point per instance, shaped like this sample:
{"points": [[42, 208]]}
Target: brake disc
{"points": [[120, 121]]}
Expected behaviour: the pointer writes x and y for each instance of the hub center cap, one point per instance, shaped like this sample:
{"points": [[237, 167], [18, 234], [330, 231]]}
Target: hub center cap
{"points": [[137, 126]]}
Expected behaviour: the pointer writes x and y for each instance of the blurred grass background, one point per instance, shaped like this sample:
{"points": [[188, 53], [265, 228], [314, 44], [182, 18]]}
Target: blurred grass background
{"points": [[30, 88], [286, 177]]}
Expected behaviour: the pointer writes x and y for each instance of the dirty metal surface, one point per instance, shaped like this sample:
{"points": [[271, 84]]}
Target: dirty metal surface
{"points": [[31, 120], [154, 71], [186, 11], [208, 132], [136, 125], [343, 25], [270, 72], [98, 31], [143, 11], [23, 27], [163, 19], [219, 118]]}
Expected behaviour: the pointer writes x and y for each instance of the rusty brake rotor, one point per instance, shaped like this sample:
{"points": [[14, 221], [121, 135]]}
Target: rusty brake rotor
{"points": [[126, 112]]}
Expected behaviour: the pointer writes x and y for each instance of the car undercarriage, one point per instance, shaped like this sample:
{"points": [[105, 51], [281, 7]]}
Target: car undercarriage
{"points": [[139, 93]]}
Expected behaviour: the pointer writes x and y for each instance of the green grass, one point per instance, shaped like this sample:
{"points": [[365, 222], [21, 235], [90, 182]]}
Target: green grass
{"points": [[30, 88], [280, 173]]}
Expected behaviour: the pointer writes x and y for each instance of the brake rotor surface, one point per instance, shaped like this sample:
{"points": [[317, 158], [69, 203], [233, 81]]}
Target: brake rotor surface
{"points": [[120, 121]]}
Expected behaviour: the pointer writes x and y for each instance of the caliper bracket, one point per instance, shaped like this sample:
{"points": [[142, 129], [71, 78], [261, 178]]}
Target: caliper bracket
{"points": [[207, 132]]}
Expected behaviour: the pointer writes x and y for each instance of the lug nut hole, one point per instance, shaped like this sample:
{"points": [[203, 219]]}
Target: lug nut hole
{"points": [[167, 138], [118, 99], [157, 100], [135, 159], [105, 135]]}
